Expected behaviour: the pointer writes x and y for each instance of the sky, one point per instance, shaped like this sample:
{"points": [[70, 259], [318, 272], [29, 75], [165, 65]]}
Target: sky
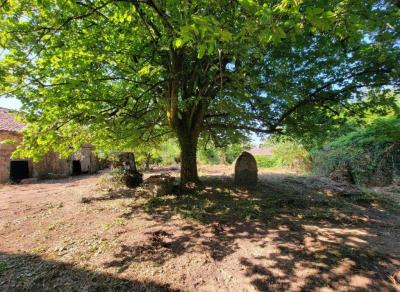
{"points": [[13, 103], [10, 103], [255, 140]]}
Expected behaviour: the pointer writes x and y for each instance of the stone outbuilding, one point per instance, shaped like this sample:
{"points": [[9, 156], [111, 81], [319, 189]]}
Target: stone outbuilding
{"points": [[51, 166]]}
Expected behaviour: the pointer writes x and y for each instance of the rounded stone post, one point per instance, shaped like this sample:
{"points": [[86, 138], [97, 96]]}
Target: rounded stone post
{"points": [[246, 170]]}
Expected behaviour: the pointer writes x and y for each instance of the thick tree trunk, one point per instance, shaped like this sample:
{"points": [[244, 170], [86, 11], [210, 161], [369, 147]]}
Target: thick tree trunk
{"points": [[188, 145], [187, 123]]}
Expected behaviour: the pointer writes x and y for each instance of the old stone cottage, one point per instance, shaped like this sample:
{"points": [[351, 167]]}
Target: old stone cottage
{"points": [[50, 166]]}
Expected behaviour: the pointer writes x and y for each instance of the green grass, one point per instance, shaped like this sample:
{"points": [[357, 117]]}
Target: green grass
{"points": [[4, 266]]}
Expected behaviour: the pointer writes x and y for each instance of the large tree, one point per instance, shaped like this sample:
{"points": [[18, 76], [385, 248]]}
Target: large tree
{"points": [[125, 71]]}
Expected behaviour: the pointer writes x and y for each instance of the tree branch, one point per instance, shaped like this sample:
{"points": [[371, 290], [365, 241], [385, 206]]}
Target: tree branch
{"points": [[313, 96], [242, 127]]}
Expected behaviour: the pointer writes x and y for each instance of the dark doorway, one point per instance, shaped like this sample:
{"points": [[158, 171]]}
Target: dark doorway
{"points": [[76, 167], [19, 170]]}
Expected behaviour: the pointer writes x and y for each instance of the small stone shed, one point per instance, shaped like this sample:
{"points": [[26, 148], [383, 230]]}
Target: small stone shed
{"points": [[84, 161]]}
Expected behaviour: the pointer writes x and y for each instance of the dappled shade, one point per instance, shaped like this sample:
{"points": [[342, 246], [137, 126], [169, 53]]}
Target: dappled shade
{"points": [[289, 233], [24, 272]]}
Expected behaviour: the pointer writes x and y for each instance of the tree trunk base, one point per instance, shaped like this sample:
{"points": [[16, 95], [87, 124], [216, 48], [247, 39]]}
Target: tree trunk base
{"points": [[189, 173]]}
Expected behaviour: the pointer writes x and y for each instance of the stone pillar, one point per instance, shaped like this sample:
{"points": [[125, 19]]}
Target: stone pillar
{"points": [[246, 170], [5, 153]]}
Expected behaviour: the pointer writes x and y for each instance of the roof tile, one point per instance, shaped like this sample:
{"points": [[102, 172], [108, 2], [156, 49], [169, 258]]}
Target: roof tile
{"points": [[8, 122], [268, 151]]}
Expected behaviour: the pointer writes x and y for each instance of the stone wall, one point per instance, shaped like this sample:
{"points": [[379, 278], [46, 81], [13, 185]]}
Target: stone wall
{"points": [[7, 135], [5, 153], [50, 166], [6, 150], [94, 163], [53, 166], [89, 161]]}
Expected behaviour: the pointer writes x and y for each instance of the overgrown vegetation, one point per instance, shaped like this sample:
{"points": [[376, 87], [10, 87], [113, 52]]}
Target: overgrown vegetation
{"points": [[375, 104], [163, 153], [370, 155], [286, 153], [223, 155]]}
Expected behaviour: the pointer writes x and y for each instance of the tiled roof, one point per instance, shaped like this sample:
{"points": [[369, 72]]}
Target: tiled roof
{"points": [[261, 151], [8, 122]]}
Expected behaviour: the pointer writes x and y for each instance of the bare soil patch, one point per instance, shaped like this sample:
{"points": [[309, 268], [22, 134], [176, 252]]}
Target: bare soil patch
{"points": [[288, 233]]}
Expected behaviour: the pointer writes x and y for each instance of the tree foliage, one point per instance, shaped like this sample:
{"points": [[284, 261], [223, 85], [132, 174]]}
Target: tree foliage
{"points": [[352, 118], [126, 71]]}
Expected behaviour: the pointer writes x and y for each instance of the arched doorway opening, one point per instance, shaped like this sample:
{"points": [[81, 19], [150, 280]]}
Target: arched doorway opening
{"points": [[76, 167]]}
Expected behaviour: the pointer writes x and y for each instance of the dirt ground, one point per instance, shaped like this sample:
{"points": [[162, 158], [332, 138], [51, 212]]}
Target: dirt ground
{"points": [[288, 233]]}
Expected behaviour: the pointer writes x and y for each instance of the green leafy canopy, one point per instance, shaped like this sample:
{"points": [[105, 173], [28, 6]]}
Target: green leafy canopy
{"points": [[122, 72]]}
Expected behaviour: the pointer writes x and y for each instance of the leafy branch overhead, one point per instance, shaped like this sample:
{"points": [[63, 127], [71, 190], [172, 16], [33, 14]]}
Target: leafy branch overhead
{"points": [[127, 71]]}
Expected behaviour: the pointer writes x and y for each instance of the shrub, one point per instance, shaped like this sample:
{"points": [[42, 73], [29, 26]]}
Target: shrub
{"points": [[291, 154], [286, 153], [233, 152], [266, 161], [164, 153], [371, 155], [169, 152], [226, 155], [209, 156]]}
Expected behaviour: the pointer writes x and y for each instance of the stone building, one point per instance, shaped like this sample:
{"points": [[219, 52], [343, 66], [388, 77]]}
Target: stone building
{"points": [[84, 161]]}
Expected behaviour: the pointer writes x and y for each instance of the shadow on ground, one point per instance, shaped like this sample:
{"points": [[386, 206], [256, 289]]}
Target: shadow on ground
{"points": [[19, 272], [288, 233]]}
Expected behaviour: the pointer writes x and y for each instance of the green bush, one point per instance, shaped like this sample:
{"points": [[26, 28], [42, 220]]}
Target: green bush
{"points": [[208, 156], [232, 152], [266, 161], [291, 154], [369, 154], [169, 152], [286, 153], [227, 155], [165, 153]]}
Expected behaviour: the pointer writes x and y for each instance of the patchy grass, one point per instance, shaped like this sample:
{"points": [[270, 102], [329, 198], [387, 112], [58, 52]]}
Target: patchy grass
{"points": [[4, 266], [116, 222], [38, 250]]}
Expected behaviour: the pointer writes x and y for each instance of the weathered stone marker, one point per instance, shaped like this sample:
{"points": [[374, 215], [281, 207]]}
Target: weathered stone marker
{"points": [[246, 170], [126, 161]]}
